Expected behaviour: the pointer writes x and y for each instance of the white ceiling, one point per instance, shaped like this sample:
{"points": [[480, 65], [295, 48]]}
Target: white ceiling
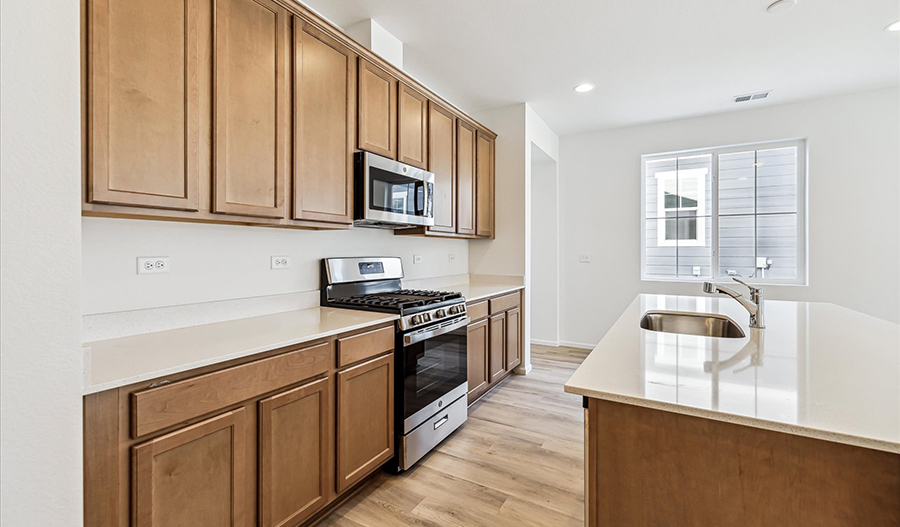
{"points": [[650, 60]]}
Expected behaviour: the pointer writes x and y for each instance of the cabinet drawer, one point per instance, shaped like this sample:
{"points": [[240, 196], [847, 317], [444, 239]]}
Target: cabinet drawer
{"points": [[164, 406], [502, 303], [364, 346], [478, 310]]}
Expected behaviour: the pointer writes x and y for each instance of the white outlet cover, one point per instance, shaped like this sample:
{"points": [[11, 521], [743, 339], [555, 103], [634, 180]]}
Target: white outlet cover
{"points": [[153, 265], [452, 257], [584, 257], [417, 258], [281, 262]]}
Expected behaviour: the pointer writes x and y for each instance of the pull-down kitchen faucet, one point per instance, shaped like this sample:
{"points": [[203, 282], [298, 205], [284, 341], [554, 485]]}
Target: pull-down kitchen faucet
{"points": [[754, 305]]}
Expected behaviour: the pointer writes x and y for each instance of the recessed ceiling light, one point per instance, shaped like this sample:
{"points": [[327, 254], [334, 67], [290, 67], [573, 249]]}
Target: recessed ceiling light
{"points": [[584, 88], [893, 27], [781, 5]]}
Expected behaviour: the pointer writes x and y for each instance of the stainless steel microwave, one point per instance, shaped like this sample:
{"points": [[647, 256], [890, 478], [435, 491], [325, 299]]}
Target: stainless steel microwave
{"points": [[391, 194]]}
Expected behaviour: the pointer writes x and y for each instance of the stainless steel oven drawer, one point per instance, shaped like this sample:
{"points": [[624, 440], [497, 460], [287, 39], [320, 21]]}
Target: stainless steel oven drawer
{"points": [[414, 445]]}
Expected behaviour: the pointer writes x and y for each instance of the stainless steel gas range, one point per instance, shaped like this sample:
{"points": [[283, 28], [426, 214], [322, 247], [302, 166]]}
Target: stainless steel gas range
{"points": [[429, 350]]}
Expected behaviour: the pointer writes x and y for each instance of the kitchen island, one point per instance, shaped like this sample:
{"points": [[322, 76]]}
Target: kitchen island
{"points": [[795, 424]]}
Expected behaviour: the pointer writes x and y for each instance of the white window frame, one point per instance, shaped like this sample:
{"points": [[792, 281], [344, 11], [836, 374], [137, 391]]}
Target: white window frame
{"points": [[802, 218], [699, 240]]}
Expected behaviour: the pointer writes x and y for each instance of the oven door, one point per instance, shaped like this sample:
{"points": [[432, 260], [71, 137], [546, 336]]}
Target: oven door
{"points": [[394, 193], [433, 362]]}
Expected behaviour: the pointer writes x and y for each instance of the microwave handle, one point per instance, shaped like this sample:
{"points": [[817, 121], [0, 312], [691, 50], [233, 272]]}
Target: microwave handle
{"points": [[420, 187]]}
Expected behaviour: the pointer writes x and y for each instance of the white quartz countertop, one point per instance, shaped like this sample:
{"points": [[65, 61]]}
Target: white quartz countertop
{"points": [[817, 370], [479, 291], [122, 361]]}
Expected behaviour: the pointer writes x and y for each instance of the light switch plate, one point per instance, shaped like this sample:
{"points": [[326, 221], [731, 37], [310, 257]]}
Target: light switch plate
{"points": [[281, 262], [153, 265]]}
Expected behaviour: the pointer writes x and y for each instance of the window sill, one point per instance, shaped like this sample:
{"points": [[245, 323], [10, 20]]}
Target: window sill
{"points": [[726, 279]]}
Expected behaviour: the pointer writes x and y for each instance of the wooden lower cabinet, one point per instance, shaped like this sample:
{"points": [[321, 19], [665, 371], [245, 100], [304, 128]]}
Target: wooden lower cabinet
{"points": [[513, 338], [294, 453], [195, 476], [478, 345], [365, 419], [498, 346]]}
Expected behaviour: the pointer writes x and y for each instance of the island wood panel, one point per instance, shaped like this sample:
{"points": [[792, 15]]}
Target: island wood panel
{"points": [[442, 162], [324, 126], [101, 466], [377, 108], [652, 467], [412, 125], [294, 452], [497, 352], [465, 178], [144, 104], [484, 185], [477, 348], [513, 338], [193, 476], [365, 419], [163, 406], [251, 110]]}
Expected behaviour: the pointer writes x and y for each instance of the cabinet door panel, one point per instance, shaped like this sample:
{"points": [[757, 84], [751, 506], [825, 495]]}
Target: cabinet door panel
{"points": [[412, 145], [324, 113], [144, 105], [513, 338], [484, 186], [294, 450], [250, 106], [377, 121], [193, 477], [498, 346], [365, 419], [465, 178], [477, 356], [441, 154]]}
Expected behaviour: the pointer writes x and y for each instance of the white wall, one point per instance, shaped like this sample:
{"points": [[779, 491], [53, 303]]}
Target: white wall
{"points": [[545, 249], [854, 182], [40, 229], [223, 262]]}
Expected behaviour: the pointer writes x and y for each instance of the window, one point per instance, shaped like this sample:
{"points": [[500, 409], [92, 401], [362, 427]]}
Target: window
{"points": [[721, 212]]}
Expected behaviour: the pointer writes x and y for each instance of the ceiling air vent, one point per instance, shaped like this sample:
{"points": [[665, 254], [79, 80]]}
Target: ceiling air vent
{"points": [[752, 96]]}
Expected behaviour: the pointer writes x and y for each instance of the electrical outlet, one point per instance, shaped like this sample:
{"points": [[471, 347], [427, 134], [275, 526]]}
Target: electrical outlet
{"points": [[451, 258], [153, 265], [584, 257], [417, 258], [281, 262]]}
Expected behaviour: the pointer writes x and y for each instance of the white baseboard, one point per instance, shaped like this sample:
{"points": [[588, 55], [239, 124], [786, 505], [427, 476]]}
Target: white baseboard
{"points": [[551, 343], [580, 345]]}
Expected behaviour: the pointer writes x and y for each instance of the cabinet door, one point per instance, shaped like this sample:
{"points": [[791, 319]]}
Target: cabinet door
{"points": [[251, 108], [484, 186], [144, 103], [195, 476], [294, 453], [513, 339], [377, 121], [365, 419], [477, 348], [498, 346], [412, 145], [324, 113], [465, 178], [441, 154]]}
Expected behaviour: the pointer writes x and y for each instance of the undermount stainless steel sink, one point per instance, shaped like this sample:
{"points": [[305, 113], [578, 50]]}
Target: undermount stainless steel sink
{"points": [[688, 323]]}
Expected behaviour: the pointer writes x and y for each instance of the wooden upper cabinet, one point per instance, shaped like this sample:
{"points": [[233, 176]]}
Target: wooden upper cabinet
{"points": [[477, 346], [294, 453], [513, 338], [412, 145], [497, 358], [251, 108], [144, 103], [365, 419], [465, 178], [442, 162], [324, 126], [377, 120], [193, 476], [484, 186]]}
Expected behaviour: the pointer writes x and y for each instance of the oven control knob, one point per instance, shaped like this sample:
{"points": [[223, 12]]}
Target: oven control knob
{"points": [[440, 313], [416, 319], [426, 317]]}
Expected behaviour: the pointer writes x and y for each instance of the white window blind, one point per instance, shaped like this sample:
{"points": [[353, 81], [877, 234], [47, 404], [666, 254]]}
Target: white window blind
{"points": [[730, 211]]}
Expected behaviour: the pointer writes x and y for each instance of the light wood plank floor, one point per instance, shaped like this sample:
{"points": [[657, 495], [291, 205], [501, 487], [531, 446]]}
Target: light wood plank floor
{"points": [[518, 461]]}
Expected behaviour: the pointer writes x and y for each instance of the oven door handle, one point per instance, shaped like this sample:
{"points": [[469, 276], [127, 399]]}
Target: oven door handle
{"points": [[418, 336]]}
